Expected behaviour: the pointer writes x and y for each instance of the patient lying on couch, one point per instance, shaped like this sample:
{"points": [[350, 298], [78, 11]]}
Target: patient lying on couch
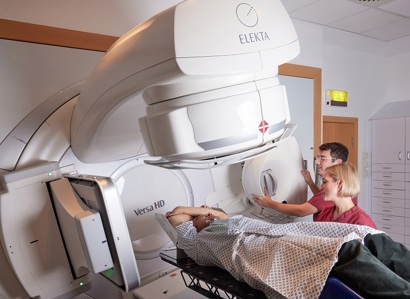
{"points": [[294, 259]]}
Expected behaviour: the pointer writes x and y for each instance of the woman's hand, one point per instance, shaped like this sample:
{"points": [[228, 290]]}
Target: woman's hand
{"points": [[263, 200]]}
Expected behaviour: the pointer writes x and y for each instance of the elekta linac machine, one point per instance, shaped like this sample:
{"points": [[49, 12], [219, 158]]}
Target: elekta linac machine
{"points": [[185, 109]]}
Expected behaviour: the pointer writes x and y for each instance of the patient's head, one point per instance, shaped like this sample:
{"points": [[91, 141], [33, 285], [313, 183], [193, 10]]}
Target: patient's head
{"points": [[202, 221]]}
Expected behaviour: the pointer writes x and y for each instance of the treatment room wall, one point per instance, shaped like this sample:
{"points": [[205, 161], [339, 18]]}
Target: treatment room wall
{"points": [[31, 73]]}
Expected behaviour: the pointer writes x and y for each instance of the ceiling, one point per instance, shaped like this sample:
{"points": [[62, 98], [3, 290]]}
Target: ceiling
{"points": [[384, 20]]}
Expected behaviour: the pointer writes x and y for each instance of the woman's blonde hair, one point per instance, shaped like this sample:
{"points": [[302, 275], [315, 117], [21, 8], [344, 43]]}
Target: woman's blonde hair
{"points": [[350, 178]]}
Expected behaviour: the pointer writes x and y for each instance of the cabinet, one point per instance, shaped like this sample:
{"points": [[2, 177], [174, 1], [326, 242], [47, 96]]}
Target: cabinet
{"points": [[390, 158]]}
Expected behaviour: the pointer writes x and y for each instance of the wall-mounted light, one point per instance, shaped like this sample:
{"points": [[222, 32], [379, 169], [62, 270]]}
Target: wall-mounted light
{"points": [[336, 98]]}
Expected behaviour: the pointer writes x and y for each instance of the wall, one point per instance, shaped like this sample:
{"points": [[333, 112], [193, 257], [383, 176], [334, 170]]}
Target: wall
{"points": [[311, 44], [31, 73]]}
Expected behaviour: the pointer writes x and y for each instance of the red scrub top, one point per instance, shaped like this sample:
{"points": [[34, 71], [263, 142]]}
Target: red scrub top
{"points": [[320, 203], [353, 216]]}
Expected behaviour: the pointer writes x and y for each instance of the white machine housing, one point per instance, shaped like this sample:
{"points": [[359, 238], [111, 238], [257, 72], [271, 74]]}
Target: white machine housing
{"points": [[277, 172], [31, 237], [207, 71], [56, 230]]}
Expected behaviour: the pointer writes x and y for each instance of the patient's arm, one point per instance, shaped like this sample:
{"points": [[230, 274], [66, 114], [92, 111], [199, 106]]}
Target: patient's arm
{"points": [[183, 214], [195, 211], [178, 219]]}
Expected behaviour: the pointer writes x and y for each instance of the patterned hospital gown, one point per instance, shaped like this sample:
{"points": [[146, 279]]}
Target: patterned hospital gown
{"points": [[293, 259]]}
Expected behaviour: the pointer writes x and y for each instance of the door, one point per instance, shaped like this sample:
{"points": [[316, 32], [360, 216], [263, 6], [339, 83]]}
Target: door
{"points": [[343, 130]]}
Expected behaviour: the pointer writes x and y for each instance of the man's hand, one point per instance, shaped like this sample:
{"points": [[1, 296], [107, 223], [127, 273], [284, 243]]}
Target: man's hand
{"points": [[309, 181], [307, 176]]}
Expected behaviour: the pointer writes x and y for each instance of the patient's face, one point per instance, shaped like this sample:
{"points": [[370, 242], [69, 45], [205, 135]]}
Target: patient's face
{"points": [[202, 221]]}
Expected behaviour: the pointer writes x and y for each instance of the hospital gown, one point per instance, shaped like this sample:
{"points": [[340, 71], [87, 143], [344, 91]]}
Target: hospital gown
{"points": [[292, 259]]}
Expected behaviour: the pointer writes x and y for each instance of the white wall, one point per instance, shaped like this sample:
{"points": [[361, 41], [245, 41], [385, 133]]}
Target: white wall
{"points": [[31, 73], [311, 44], [98, 16]]}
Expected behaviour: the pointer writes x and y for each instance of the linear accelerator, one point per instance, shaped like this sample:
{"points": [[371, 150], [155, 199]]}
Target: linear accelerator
{"points": [[207, 73], [193, 87]]}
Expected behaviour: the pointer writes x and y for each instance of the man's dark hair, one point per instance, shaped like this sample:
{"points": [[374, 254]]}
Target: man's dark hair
{"points": [[337, 150]]}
